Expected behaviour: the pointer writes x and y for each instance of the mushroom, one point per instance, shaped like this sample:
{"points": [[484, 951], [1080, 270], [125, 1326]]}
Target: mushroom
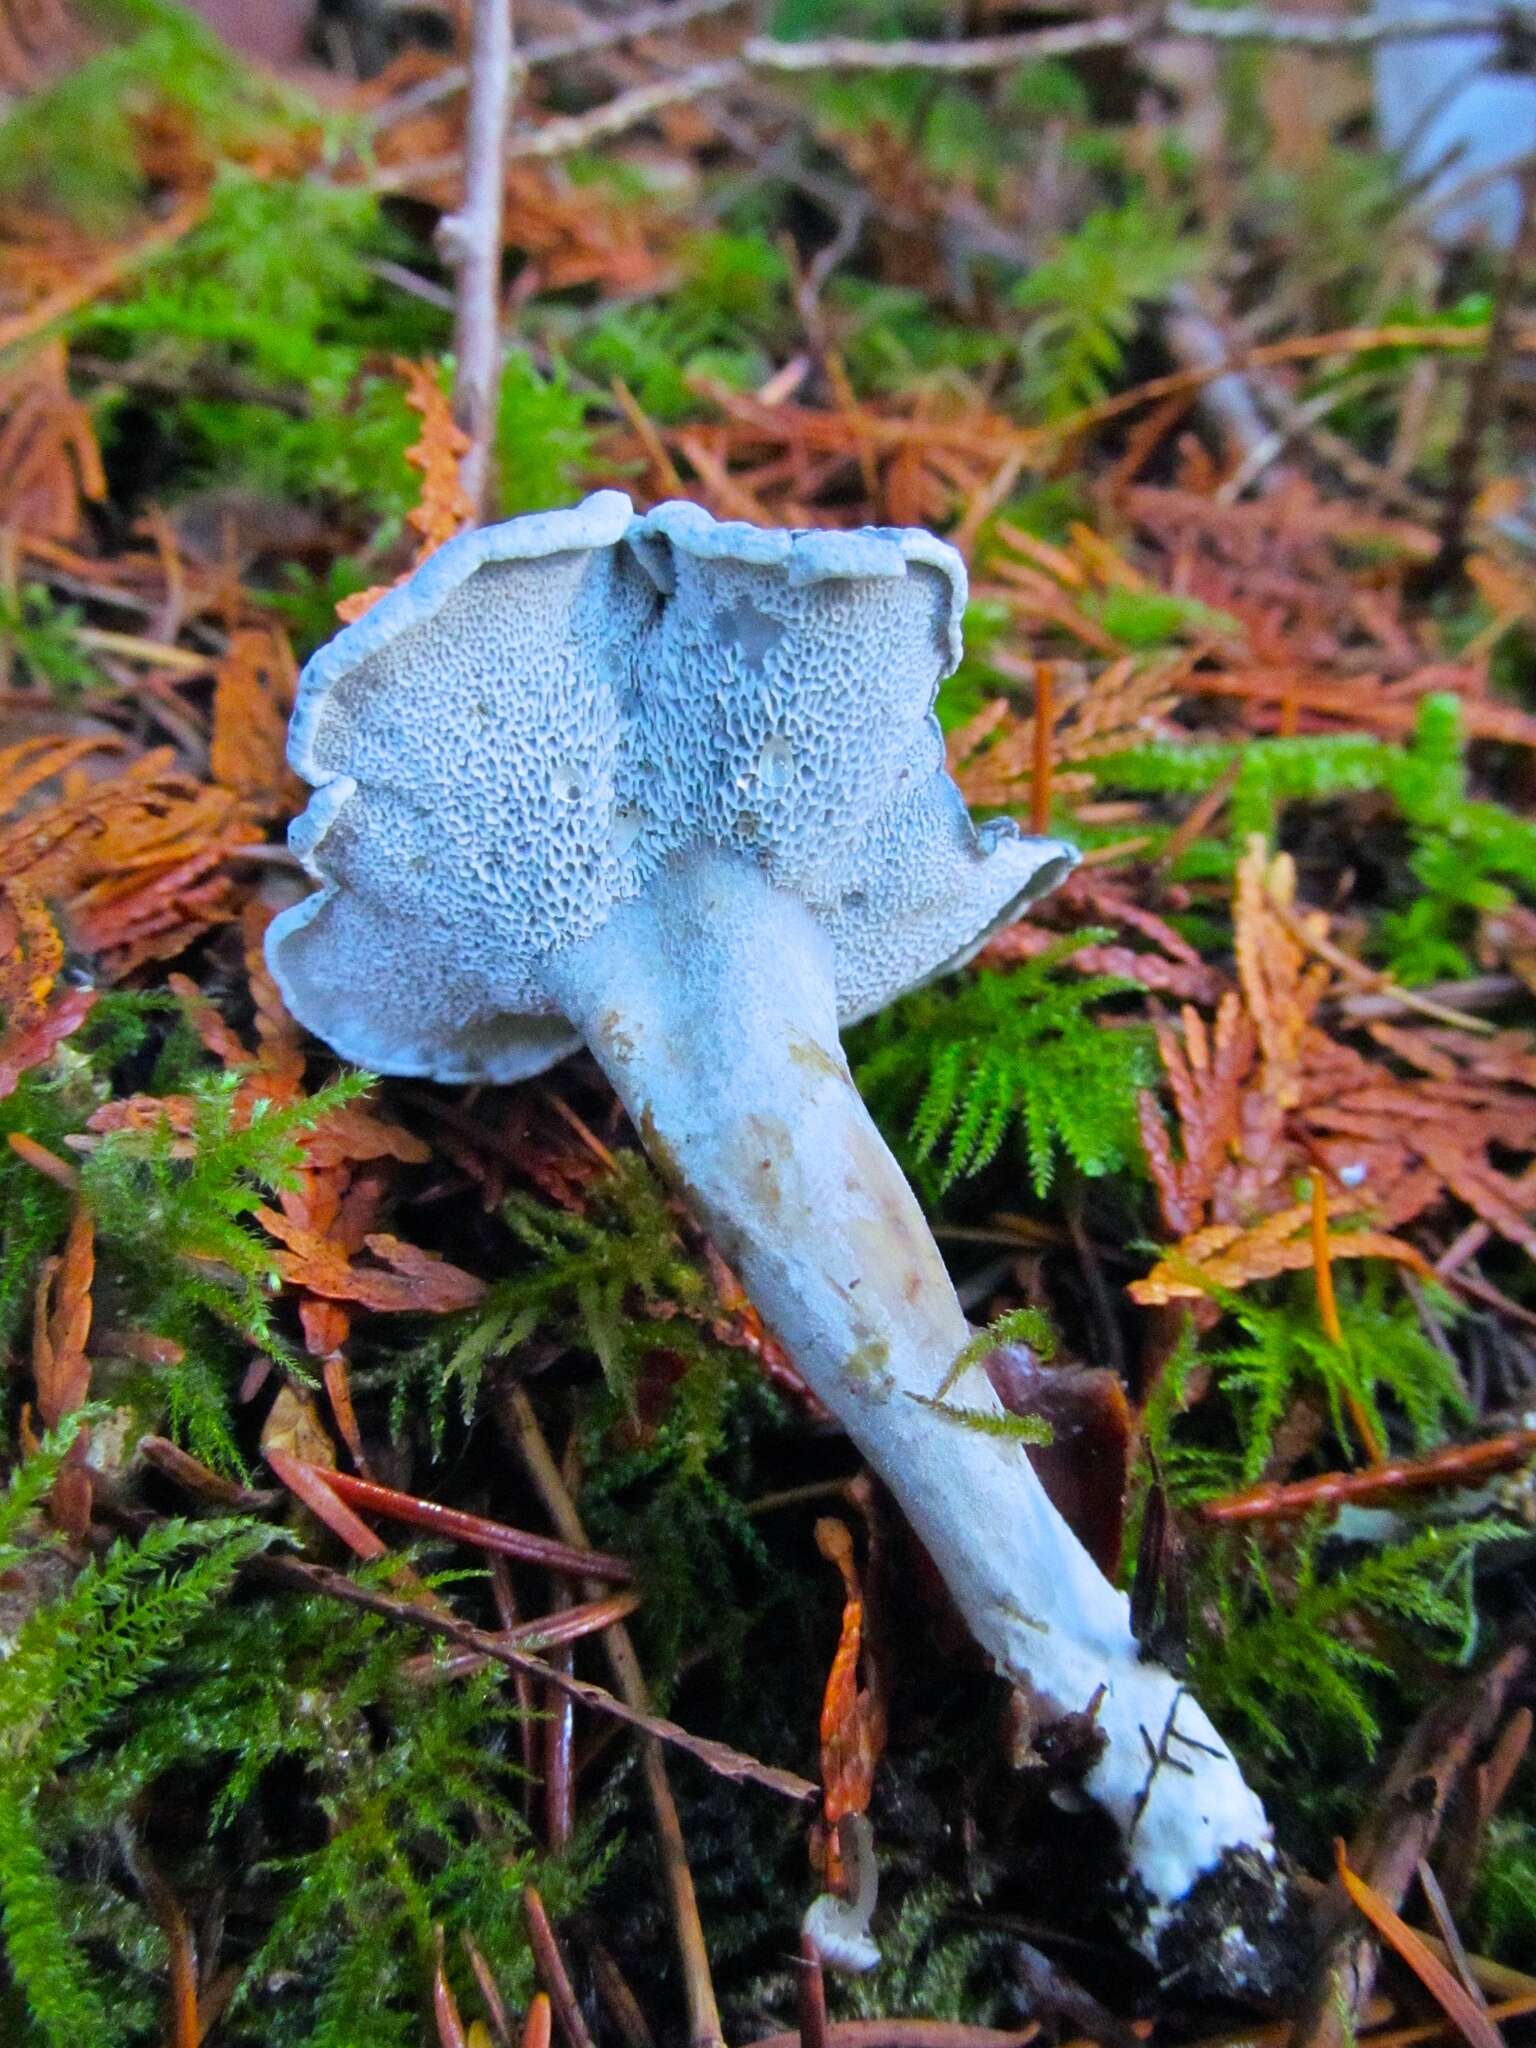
{"points": [[674, 789]]}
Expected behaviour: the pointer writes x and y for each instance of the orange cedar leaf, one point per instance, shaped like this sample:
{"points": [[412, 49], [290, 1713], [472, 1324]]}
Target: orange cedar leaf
{"points": [[416, 1281], [134, 860], [205, 1020], [253, 695], [1225, 1256], [1207, 1075], [31, 954], [443, 509], [356, 1135], [1449, 1993], [326, 1326], [49, 458], [28, 764], [1322, 1264], [62, 1323]]}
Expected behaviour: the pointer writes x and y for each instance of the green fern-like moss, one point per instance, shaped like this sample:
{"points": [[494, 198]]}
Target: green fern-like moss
{"points": [[72, 148], [1291, 1665], [959, 1067]]}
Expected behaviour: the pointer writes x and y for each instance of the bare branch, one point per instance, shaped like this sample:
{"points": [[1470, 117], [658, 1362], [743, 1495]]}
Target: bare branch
{"points": [[1198, 24], [626, 110], [470, 241], [766, 54], [592, 36]]}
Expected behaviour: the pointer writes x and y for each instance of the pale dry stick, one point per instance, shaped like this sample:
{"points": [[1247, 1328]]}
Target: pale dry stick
{"points": [[704, 2030], [625, 110], [1261, 25], [1199, 344], [1377, 983], [1298, 419], [470, 242]]}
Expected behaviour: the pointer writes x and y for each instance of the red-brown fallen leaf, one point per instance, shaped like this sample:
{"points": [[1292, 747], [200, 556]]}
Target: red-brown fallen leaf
{"points": [[416, 1281], [36, 1017], [135, 861], [34, 1043], [1207, 1074], [356, 1134], [294, 1429], [176, 1113], [61, 1371], [204, 1017], [852, 1716], [1085, 1466], [326, 1326]]}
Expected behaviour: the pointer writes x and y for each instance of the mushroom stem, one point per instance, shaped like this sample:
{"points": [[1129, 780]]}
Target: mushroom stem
{"points": [[711, 1004]]}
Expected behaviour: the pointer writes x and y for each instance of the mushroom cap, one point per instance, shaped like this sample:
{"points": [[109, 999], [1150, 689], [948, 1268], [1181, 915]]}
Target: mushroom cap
{"points": [[515, 739]]}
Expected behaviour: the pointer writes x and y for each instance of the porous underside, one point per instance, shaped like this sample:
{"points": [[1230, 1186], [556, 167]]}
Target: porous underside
{"points": [[520, 736]]}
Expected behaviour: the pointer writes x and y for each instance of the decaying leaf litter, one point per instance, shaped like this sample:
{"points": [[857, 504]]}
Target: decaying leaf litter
{"points": [[313, 1730]]}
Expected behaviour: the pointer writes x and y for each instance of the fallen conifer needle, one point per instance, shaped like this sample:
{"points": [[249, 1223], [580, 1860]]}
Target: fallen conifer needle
{"points": [[463, 1527], [1449, 1993]]}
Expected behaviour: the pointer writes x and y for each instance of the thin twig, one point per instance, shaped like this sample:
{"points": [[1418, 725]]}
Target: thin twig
{"points": [[522, 1425], [717, 1756], [470, 242]]}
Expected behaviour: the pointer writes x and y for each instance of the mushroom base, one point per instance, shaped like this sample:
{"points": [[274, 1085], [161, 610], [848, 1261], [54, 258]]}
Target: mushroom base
{"points": [[710, 1004]]}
